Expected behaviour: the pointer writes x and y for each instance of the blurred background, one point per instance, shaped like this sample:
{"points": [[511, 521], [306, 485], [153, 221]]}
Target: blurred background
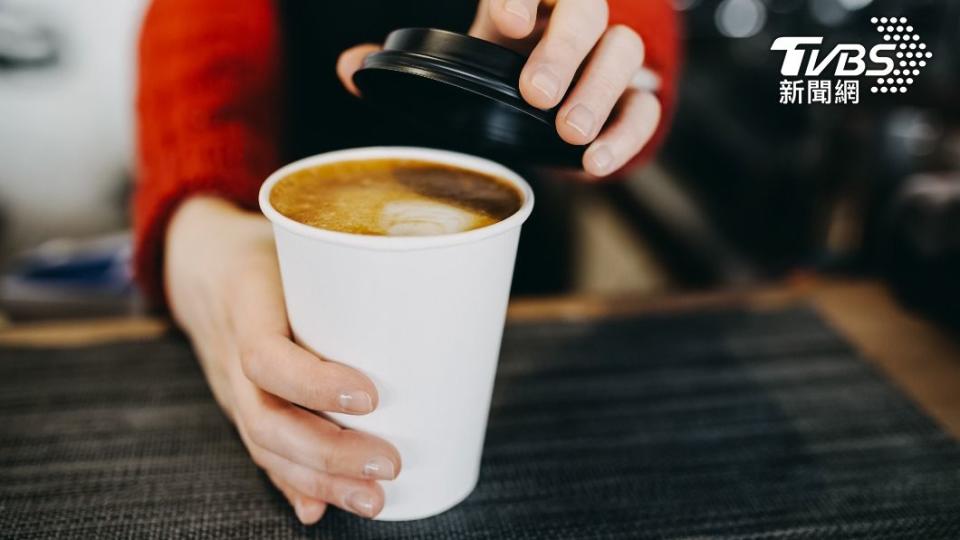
{"points": [[66, 155], [746, 190]]}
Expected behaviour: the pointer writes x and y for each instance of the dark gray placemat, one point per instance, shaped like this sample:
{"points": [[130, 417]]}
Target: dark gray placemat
{"points": [[719, 424]]}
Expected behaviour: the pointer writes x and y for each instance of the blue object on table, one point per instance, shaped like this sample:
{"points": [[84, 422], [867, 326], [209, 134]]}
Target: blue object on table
{"points": [[100, 266]]}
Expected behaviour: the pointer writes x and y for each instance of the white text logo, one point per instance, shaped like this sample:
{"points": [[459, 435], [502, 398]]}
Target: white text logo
{"points": [[891, 66]]}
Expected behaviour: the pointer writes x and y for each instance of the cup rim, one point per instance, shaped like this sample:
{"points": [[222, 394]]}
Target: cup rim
{"points": [[398, 243]]}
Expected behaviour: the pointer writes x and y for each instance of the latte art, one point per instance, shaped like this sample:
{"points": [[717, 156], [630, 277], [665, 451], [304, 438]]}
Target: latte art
{"points": [[425, 218], [394, 198]]}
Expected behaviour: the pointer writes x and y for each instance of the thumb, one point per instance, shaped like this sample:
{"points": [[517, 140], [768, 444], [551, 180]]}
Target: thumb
{"points": [[513, 19], [350, 61]]}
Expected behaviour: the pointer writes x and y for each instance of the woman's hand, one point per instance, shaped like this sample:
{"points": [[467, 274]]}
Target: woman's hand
{"points": [[223, 285], [565, 38]]}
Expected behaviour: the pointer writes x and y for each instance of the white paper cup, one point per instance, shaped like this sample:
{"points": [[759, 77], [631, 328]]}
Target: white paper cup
{"points": [[421, 316]]}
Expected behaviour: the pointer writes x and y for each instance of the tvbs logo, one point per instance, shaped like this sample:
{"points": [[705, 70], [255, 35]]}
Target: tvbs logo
{"points": [[815, 76], [848, 59]]}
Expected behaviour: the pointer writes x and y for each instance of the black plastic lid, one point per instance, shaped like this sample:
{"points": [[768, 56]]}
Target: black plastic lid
{"points": [[465, 91]]}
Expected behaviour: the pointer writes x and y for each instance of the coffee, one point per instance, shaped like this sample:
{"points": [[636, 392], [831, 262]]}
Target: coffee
{"points": [[394, 197]]}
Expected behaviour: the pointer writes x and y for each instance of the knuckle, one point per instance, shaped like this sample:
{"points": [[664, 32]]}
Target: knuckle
{"points": [[565, 45], [346, 450], [593, 17], [626, 37], [606, 88], [258, 428], [317, 397], [575, 38], [338, 442], [623, 51], [316, 485], [329, 455], [252, 362], [323, 461]]}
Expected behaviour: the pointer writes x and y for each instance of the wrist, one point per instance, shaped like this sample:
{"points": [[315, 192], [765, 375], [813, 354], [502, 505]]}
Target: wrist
{"points": [[211, 243]]}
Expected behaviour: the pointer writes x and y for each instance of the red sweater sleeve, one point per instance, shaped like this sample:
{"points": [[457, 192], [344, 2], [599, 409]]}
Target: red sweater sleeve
{"points": [[208, 108], [658, 24]]}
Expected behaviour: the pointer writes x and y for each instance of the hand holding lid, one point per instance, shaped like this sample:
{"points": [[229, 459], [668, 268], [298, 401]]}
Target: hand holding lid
{"points": [[572, 100]]}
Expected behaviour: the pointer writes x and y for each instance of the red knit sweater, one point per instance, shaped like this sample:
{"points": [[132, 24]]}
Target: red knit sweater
{"points": [[209, 104]]}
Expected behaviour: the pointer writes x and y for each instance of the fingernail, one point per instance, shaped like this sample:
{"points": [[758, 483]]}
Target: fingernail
{"points": [[380, 468], [546, 82], [518, 9], [602, 158], [361, 503], [356, 401], [582, 119]]}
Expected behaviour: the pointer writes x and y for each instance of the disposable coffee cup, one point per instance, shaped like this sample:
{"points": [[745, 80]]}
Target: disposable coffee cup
{"points": [[421, 316]]}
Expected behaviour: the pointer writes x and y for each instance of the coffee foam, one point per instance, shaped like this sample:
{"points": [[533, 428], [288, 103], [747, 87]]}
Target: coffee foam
{"points": [[425, 218], [393, 198]]}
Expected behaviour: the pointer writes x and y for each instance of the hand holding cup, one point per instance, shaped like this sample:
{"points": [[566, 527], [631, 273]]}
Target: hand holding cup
{"points": [[224, 289]]}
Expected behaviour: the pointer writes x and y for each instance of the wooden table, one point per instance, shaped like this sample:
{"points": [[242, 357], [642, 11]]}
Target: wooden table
{"points": [[919, 357]]}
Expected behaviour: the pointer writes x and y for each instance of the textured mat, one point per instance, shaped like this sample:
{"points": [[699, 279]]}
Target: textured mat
{"points": [[720, 424]]}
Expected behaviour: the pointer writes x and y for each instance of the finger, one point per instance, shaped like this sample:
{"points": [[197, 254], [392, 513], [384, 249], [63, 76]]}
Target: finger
{"points": [[350, 61], [281, 367], [308, 510], [513, 18], [617, 58], [574, 28], [631, 129], [361, 497], [274, 363], [314, 442]]}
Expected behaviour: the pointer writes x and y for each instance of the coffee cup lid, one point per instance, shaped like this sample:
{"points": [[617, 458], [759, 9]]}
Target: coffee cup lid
{"points": [[464, 91]]}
